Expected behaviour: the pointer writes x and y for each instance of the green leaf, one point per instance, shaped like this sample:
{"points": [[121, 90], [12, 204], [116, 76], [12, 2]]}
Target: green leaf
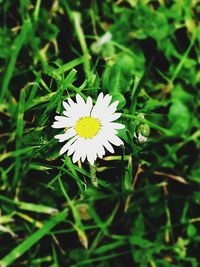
{"points": [[118, 75], [141, 242], [120, 98], [109, 247], [191, 230], [179, 118]]}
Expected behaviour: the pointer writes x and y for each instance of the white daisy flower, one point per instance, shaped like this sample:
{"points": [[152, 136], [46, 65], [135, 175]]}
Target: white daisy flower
{"points": [[89, 129]]}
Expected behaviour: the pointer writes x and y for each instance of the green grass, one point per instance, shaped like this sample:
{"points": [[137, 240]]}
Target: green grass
{"points": [[140, 206]]}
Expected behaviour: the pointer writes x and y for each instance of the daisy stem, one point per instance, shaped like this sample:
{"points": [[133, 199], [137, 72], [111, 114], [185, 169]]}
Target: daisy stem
{"points": [[93, 170]]}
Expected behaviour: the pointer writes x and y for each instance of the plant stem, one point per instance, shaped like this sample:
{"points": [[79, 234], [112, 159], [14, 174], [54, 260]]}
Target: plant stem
{"points": [[93, 170]]}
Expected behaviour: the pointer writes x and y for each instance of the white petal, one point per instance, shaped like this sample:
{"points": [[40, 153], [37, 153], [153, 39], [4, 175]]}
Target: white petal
{"points": [[107, 131], [115, 125], [61, 119], [71, 102], [73, 115], [91, 157], [80, 101], [98, 145], [65, 105], [114, 117], [74, 147], [108, 146], [107, 100], [83, 157], [100, 109], [71, 150], [98, 106], [91, 151], [88, 107], [100, 150], [84, 148], [99, 98], [112, 108], [76, 156], [68, 145], [115, 140], [69, 113], [58, 125], [62, 137]]}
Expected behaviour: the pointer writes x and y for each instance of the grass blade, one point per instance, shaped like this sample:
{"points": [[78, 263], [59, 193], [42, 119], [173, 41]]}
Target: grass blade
{"points": [[17, 46], [33, 239]]}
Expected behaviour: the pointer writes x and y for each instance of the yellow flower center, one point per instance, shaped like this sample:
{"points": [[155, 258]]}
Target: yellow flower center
{"points": [[87, 127]]}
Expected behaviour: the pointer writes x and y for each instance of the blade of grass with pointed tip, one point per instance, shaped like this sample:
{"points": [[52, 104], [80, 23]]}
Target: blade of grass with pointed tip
{"points": [[33, 239], [66, 67], [57, 97], [38, 208], [16, 153], [19, 133], [109, 247], [78, 223], [17, 46]]}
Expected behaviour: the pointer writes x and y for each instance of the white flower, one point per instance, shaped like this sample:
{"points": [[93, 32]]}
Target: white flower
{"points": [[89, 130]]}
